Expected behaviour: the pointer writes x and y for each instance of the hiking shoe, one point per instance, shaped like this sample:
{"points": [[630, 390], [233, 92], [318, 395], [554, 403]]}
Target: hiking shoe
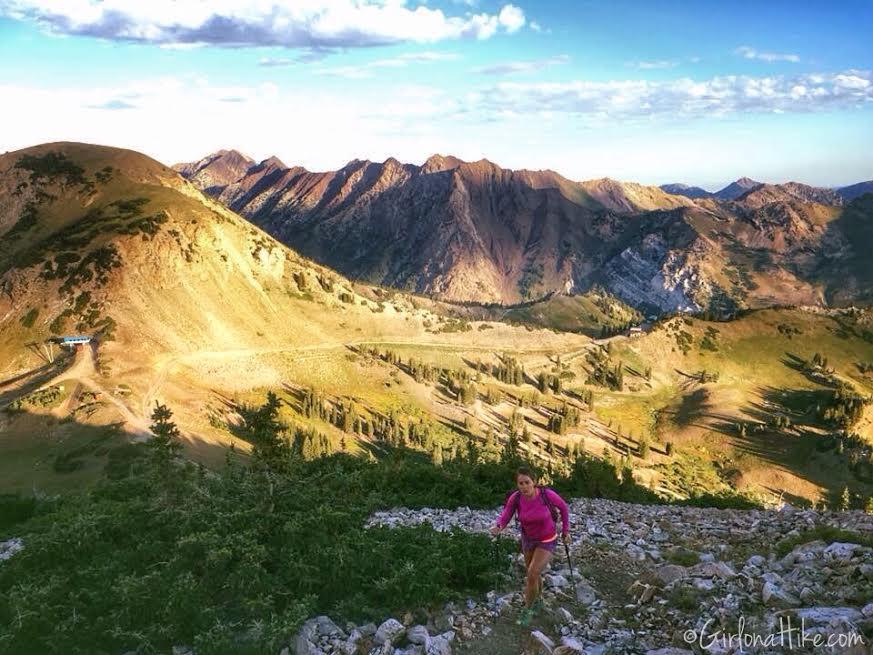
{"points": [[525, 617]]}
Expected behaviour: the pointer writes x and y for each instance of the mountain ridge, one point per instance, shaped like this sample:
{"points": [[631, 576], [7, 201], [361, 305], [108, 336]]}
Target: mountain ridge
{"points": [[476, 232]]}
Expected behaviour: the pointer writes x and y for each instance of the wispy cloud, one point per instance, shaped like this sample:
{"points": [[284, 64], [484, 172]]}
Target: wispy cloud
{"points": [[276, 62], [366, 70], [428, 56], [529, 66], [113, 105], [747, 52], [656, 64], [682, 97], [246, 23]]}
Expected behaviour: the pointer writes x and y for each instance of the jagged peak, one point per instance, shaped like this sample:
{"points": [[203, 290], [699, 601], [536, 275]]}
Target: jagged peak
{"points": [[436, 163], [273, 161], [355, 164], [602, 181], [230, 155]]}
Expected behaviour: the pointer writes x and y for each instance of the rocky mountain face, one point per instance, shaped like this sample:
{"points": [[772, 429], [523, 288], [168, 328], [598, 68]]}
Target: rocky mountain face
{"points": [[475, 232], [463, 231], [217, 170], [765, 194]]}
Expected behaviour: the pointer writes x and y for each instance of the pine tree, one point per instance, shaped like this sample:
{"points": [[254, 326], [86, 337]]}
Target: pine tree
{"points": [[164, 445], [472, 453], [644, 448], [842, 501], [267, 434]]}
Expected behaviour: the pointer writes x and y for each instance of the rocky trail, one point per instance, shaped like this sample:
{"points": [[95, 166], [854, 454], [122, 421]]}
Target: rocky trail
{"points": [[653, 580]]}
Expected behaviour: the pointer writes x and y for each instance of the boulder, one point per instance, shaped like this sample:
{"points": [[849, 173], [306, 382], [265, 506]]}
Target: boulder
{"points": [[390, 632], [441, 644], [668, 574], [712, 570], [828, 615], [9, 547], [418, 635], [556, 581], [839, 551], [774, 596], [303, 642], [328, 627], [585, 593], [570, 646], [546, 645]]}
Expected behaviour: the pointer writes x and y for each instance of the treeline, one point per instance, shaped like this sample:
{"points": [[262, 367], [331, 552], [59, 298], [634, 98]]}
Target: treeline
{"points": [[603, 372], [459, 383], [394, 428], [508, 370], [843, 408], [565, 417]]}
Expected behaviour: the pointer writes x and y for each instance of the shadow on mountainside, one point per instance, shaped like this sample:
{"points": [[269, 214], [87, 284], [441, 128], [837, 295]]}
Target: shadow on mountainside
{"points": [[25, 383], [797, 448]]}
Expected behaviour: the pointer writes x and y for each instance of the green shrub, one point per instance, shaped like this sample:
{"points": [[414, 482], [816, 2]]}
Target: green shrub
{"points": [[30, 318], [15, 509], [67, 463], [180, 559], [826, 533], [722, 500], [52, 166]]}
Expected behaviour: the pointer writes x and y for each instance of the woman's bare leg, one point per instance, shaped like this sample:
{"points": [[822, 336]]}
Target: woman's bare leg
{"points": [[533, 583]]}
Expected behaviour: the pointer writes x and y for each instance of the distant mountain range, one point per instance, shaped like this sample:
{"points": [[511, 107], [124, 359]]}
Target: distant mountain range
{"points": [[744, 185], [476, 232]]}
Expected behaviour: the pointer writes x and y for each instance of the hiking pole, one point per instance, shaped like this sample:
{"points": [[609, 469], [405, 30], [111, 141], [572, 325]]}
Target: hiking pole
{"points": [[570, 564]]}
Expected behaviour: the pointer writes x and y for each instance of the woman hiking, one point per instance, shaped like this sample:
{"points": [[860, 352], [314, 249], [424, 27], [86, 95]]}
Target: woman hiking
{"points": [[536, 508]]}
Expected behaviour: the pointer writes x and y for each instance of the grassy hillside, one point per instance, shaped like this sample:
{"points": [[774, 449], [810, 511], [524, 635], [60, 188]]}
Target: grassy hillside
{"points": [[736, 398], [190, 304], [193, 307]]}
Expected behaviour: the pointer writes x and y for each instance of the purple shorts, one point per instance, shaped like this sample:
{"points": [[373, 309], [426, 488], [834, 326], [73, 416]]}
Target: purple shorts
{"points": [[529, 544]]}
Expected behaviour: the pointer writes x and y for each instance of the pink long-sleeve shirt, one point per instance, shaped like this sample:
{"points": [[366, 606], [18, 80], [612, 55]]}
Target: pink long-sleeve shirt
{"points": [[534, 515]]}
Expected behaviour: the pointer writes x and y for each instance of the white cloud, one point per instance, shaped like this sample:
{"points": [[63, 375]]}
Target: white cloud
{"points": [[276, 62], [428, 56], [511, 67], [682, 97], [657, 64], [184, 117], [748, 52], [302, 56], [241, 23], [366, 70], [512, 18]]}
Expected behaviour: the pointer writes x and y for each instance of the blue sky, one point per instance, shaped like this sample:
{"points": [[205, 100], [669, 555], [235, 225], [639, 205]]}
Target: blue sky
{"points": [[655, 92]]}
